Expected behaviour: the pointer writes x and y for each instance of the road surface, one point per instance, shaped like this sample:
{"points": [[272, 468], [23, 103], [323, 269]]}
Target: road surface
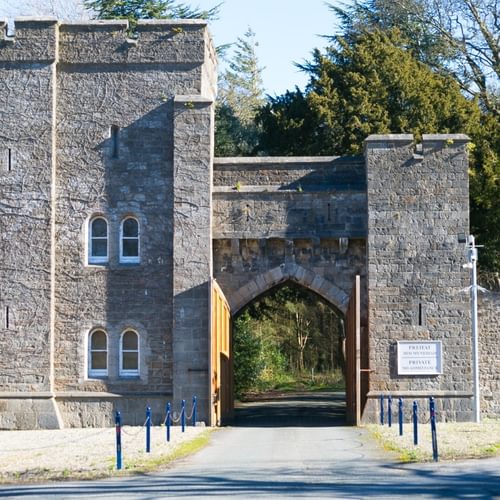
{"points": [[311, 454]]}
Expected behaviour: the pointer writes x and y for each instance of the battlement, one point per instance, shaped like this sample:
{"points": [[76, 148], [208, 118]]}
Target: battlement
{"points": [[429, 144], [106, 42], [35, 40]]}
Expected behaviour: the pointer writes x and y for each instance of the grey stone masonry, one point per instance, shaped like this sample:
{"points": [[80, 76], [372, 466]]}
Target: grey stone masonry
{"points": [[489, 353], [192, 251], [115, 219], [417, 206], [88, 129]]}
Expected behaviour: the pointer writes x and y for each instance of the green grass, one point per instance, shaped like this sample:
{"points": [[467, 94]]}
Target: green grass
{"points": [[298, 382]]}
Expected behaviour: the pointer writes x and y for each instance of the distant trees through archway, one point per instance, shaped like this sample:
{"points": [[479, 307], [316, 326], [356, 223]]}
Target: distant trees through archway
{"points": [[288, 339]]}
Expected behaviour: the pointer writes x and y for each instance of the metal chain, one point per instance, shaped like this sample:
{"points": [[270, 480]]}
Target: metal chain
{"points": [[133, 434], [191, 415], [60, 443]]}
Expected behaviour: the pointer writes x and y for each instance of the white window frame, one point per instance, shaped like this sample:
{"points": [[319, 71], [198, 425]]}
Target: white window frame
{"points": [[136, 259], [92, 259], [130, 373], [92, 372]]}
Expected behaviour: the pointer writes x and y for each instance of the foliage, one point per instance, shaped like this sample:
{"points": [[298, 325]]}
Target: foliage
{"points": [[297, 341], [241, 94], [247, 349], [355, 89], [147, 9]]}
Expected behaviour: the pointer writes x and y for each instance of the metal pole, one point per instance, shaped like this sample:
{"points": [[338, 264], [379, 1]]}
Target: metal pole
{"points": [[432, 408], [389, 410], [194, 411], [167, 422], [415, 423], [400, 415], [148, 430], [473, 264], [183, 415], [381, 409], [118, 426]]}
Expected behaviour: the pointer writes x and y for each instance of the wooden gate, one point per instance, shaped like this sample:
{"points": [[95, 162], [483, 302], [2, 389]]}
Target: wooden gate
{"points": [[353, 356], [221, 358]]}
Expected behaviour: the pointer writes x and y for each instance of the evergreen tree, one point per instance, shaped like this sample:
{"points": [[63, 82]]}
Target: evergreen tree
{"points": [[147, 9], [356, 89], [241, 94]]}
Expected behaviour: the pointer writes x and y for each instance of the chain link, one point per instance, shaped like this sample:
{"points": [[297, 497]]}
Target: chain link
{"points": [[60, 443], [133, 434]]}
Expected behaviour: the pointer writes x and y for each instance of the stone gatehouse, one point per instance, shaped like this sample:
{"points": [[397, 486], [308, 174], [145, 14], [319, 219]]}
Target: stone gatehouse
{"points": [[116, 219]]}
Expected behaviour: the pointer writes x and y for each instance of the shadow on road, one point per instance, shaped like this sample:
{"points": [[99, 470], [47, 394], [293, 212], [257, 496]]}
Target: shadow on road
{"points": [[298, 409]]}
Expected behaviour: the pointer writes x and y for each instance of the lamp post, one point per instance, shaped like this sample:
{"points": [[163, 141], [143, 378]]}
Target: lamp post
{"points": [[472, 265]]}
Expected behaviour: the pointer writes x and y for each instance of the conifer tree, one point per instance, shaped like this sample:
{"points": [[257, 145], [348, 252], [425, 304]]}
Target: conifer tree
{"points": [[241, 94]]}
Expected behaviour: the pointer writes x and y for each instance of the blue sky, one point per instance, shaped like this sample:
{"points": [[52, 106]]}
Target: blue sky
{"points": [[287, 32]]}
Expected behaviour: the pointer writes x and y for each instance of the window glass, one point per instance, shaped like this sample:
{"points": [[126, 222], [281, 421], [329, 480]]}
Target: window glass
{"points": [[98, 241], [129, 242], [129, 353], [98, 358]]}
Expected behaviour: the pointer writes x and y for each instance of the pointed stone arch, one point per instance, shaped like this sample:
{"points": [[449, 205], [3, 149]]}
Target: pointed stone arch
{"points": [[289, 272]]}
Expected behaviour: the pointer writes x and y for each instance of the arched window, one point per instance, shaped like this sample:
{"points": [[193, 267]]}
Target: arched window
{"points": [[129, 240], [98, 354], [98, 240], [129, 354]]}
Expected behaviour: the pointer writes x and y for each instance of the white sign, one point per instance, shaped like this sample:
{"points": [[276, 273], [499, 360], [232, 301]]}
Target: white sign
{"points": [[420, 357]]}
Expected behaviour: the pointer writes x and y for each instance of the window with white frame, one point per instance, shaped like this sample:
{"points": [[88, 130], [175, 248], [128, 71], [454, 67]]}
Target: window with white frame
{"points": [[129, 240], [129, 354], [98, 241], [98, 354]]}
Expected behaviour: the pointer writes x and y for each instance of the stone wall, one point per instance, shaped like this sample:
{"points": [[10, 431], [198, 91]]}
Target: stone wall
{"points": [[27, 162], [489, 353], [88, 129], [417, 206], [279, 219]]}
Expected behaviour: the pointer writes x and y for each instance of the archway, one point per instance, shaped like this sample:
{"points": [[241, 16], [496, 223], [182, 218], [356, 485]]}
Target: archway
{"points": [[289, 275], [289, 360]]}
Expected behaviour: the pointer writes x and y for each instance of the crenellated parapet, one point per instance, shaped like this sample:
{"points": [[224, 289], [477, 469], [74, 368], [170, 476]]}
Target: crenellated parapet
{"points": [[107, 42], [154, 42], [35, 40]]}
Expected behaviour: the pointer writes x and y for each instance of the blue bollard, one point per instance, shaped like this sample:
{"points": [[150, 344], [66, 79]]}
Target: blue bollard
{"points": [[389, 410], [148, 429], [118, 427], [183, 415], [415, 423], [194, 411], [400, 415], [381, 409], [168, 422], [432, 408]]}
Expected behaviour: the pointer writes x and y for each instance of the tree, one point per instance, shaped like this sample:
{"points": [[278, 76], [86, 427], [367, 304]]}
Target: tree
{"points": [[147, 9], [355, 89], [456, 36], [247, 349], [241, 94], [470, 27], [384, 15]]}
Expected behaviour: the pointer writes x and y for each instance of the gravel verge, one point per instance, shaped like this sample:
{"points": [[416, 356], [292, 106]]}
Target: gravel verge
{"points": [[87, 453], [456, 440]]}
